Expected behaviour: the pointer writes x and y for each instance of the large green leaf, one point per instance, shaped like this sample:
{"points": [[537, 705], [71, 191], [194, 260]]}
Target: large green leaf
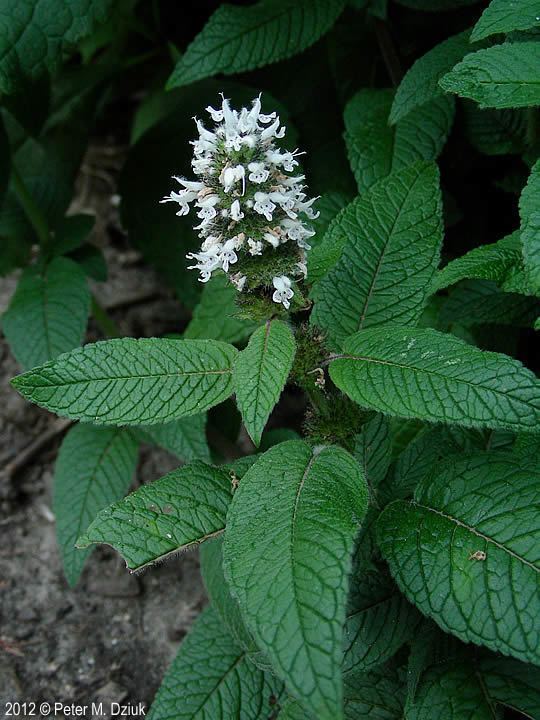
{"points": [[35, 33], [373, 449], [185, 438], [260, 373], [225, 605], [452, 691], [502, 76], [495, 132], [95, 467], [375, 149], [421, 82], [379, 621], [529, 210], [290, 533], [212, 679], [511, 683], [426, 374], [378, 694], [181, 509], [214, 317], [504, 16], [464, 551], [133, 382], [474, 302], [4, 160], [393, 237], [236, 39], [48, 313], [487, 262]]}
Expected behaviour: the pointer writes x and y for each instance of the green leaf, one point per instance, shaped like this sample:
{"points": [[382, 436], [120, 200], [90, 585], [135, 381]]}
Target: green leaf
{"points": [[511, 683], [373, 449], [211, 557], [4, 160], [95, 467], [417, 461], [464, 550], [236, 39], [393, 238], [426, 374], [421, 82], [260, 373], [71, 233], [133, 382], [502, 76], [211, 678], [495, 132], [504, 16], [180, 510], [474, 302], [377, 695], [452, 691], [213, 318], [185, 438], [48, 313], [529, 211], [34, 35], [375, 149], [379, 621], [289, 538], [487, 262]]}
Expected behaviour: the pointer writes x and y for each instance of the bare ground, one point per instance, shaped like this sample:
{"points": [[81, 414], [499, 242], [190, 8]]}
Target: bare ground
{"points": [[112, 637]]}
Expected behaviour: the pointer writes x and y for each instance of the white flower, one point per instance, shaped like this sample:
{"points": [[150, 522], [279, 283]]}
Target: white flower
{"points": [[258, 172], [282, 293], [236, 213], [263, 205], [246, 202]]}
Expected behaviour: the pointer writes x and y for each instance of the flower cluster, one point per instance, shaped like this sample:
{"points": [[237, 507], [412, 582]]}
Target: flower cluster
{"points": [[248, 201]]}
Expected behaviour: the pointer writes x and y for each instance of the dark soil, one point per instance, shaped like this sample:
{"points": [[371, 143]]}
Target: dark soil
{"points": [[112, 637]]}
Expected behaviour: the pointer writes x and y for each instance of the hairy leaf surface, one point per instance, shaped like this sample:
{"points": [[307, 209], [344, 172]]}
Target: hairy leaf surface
{"points": [[48, 313], [465, 550], [211, 678], [529, 210], [213, 318], [135, 382], [503, 16], [236, 39], [379, 621], [503, 76], [393, 237], [35, 33], [260, 373], [375, 149], [185, 438], [421, 82], [426, 374], [487, 262], [181, 509], [289, 538], [95, 467]]}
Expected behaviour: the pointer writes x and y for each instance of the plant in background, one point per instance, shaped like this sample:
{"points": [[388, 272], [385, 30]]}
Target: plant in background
{"points": [[379, 557]]}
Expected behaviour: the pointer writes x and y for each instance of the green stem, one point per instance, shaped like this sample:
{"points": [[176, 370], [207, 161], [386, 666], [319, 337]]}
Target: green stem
{"points": [[32, 211], [104, 321]]}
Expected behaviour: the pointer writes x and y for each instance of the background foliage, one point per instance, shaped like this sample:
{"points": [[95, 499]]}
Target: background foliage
{"points": [[377, 556]]}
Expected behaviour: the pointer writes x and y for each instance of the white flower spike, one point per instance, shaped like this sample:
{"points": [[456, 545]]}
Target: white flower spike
{"points": [[247, 204]]}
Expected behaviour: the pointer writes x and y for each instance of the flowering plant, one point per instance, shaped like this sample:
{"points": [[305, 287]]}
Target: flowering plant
{"points": [[247, 202], [350, 389]]}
